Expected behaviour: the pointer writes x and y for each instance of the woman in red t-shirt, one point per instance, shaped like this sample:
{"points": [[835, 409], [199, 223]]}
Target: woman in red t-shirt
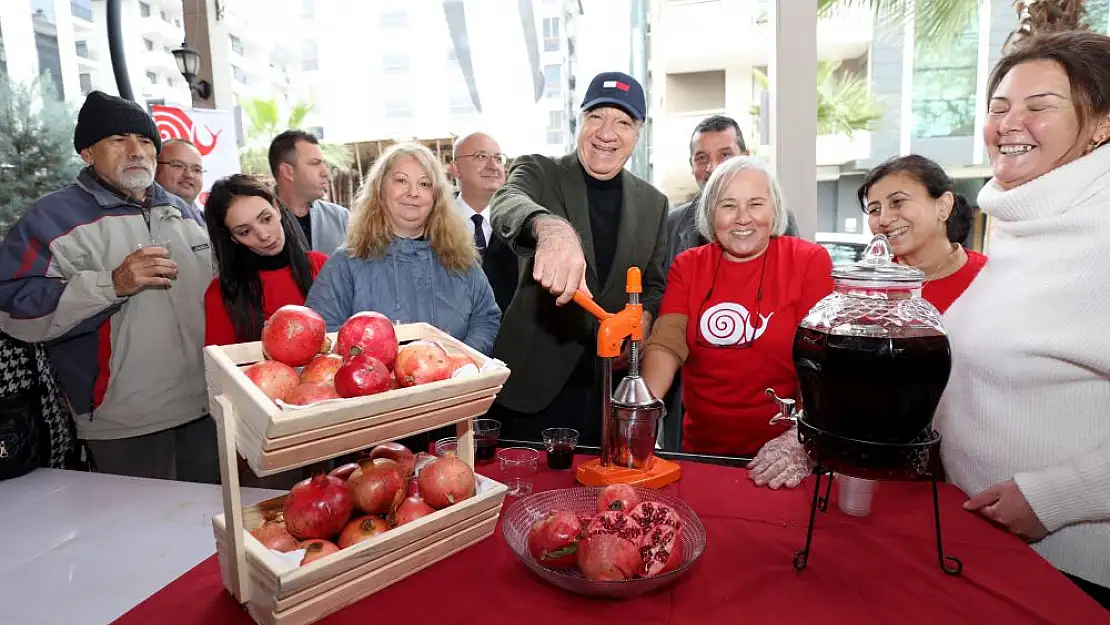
{"points": [[261, 256], [730, 312], [914, 203]]}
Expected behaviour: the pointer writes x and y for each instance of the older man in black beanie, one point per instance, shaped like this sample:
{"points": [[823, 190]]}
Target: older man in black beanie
{"points": [[110, 274]]}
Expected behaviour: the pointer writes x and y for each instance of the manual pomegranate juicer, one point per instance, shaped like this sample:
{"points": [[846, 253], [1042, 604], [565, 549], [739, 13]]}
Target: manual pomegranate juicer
{"points": [[631, 415]]}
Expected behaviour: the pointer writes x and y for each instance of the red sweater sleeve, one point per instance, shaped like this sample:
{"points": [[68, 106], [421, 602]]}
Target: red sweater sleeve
{"points": [[217, 324], [317, 260], [675, 298], [817, 280]]}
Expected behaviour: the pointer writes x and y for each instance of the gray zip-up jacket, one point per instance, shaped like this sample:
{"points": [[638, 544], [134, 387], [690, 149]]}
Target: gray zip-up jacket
{"points": [[329, 226], [409, 285], [128, 365]]}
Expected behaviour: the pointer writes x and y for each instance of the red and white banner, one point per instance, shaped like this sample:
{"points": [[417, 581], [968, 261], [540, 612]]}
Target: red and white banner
{"points": [[211, 130]]}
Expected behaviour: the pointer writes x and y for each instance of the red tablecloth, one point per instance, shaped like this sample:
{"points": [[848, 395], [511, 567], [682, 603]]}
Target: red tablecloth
{"points": [[881, 569]]}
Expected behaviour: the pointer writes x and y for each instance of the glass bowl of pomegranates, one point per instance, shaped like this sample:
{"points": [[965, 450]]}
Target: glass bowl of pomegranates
{"points": [[616, 541]]}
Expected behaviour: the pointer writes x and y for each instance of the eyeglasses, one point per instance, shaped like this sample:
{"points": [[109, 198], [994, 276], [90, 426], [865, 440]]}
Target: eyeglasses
{"points": [[483, 158], [179, 166], [729, 324]]}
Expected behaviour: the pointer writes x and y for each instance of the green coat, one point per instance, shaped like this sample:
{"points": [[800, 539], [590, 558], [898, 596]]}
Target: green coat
{"points": [[540, 341]]}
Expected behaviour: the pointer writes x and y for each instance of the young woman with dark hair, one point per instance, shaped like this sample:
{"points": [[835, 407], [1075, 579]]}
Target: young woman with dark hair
{"points": [[262, 259], [914, 203]]}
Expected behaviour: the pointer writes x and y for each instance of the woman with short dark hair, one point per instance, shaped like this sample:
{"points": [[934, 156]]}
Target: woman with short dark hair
{"points": [[1026, 415], [912, 201]]}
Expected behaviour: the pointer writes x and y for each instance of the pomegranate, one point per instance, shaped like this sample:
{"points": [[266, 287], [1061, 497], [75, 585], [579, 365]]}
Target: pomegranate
{"points": [[368, 333], [445, 481], [322, 369], [317, 507], [360, 529], [398, 453], [293, 335], [273, 535], [412, 508], [344, 472], [553, 540], [617, 497], [276, 379], [421, 362], [377, 486], [315, 549], [420, 461], [661, 543], [361, 376], [608, 557], [309, 393], [615, 522]]}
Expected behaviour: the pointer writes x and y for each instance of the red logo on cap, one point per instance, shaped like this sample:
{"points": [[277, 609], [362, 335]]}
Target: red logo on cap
{"points": [[622, 86]]}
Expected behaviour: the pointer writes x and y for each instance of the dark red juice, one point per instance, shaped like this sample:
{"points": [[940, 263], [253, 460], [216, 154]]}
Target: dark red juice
{"points": [[871, 388], [560, 457], [485, 448]]}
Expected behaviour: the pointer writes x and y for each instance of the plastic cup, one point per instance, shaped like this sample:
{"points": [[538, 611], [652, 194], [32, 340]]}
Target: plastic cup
{"points": [[486, 433], [560, 444], [854, 495], [447, 447], [518, 468]]}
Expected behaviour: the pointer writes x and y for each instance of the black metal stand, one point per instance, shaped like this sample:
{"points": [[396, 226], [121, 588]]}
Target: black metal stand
{"points": [[870, 460]]}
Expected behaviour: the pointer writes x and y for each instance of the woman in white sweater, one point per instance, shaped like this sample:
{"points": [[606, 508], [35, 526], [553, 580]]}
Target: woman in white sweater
{"points": [[1026, 415]]}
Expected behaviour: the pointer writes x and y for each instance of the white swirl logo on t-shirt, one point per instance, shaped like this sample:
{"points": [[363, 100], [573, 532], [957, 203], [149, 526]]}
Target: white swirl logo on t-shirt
{"points": [[730, 324]]}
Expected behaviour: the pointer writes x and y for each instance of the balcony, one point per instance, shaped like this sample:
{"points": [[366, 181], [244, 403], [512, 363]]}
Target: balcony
{"points": [[82, 13], [704, 35], [160, 31]]}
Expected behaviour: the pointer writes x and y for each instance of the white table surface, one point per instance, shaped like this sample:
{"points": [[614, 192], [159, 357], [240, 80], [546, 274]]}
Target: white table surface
{"points": [[84, 548]]}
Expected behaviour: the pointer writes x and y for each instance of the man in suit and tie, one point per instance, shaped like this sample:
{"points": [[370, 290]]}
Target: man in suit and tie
{"points": [[479, 167], [577, 223]]}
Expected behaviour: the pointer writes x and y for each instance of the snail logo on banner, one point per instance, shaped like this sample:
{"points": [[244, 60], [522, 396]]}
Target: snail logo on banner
{"points": [[211, 130]]}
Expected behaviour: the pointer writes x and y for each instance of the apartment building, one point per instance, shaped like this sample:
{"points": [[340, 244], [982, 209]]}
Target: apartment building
{"points": [[67, 41], [399, 69]]}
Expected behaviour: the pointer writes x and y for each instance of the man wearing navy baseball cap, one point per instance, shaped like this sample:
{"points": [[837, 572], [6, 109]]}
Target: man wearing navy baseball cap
{"points": [[577, 223]]}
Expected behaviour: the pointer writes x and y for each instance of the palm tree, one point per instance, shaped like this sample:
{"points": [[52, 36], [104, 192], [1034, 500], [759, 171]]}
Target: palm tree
{"points": [[265, 123], [1045, 16], [844, 101], [936, 22]]}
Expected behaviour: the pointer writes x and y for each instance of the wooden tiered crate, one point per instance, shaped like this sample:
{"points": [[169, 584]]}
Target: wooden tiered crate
{"points": [[273, 439]]}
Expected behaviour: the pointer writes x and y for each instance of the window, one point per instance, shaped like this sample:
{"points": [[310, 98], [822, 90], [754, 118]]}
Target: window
{"points": [[398, 110], [82, 48], [81, 9], [85, 81], [944, 81], [553, 80], [169, 80], [239, 74], [165, 17], [309, 55], [452, 54], [1096, 14], [144, 9], [551, 39], [152, 78], [396, 63], [555, 129], [308, 8], [393, 19], [461, 103], [316, 131], [236, 44], [149, 44]]}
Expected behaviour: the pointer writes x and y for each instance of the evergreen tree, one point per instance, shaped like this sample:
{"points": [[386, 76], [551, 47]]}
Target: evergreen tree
{"points": [[36, 146]]}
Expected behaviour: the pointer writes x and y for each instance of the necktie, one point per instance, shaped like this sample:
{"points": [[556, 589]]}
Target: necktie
{"points": [[479, 232]]}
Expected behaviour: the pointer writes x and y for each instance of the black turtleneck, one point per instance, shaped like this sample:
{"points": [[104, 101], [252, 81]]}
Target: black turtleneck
{"points": [[259, 262], [604, 198]]}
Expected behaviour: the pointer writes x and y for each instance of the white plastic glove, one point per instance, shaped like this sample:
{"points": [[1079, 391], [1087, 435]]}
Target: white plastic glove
{"points": [[780, 462]]}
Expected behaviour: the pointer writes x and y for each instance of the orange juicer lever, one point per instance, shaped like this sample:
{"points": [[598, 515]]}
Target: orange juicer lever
{"points": [[629, 416]]}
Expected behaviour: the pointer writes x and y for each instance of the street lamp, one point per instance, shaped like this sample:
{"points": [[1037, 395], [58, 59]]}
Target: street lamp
{"points": [[188, 63]]}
